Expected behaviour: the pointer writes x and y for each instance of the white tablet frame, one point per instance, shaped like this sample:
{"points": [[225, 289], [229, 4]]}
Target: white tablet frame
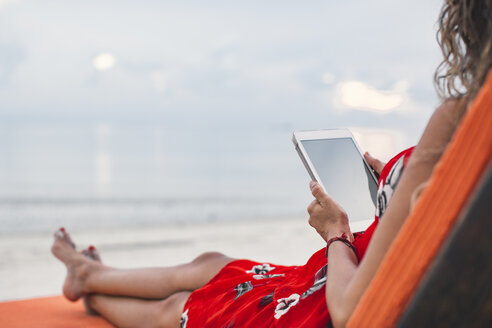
{"points": [[299, 136]]}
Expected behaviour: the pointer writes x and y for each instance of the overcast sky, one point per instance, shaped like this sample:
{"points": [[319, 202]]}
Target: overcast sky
{"points": [[213, 58], [208, 66]]}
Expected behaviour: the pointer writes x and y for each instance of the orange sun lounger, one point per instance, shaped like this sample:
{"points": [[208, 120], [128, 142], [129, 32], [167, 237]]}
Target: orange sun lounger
{"points": [[48, 312], [452, 183]]}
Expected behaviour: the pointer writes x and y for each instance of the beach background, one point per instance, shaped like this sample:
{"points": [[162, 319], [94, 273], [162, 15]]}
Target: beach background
{"points": [[159, 130]]}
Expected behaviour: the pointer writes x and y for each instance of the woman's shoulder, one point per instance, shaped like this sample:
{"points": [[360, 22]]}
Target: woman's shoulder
{"points": [[438, 132], [448, 113]]}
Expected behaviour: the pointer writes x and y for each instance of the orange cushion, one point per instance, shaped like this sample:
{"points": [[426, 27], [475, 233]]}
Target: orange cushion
{"points": [[453, 180], [52, 312]]}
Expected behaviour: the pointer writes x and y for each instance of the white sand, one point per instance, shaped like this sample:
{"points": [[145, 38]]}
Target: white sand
{"points": [[27, 268]]}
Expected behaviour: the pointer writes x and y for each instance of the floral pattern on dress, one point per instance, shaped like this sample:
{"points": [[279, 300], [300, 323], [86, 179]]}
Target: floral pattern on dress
{"points": [[184, 319], [388, 186], [319, 282], [284, 305], [265, 300], [261, 269], [267, 276], [243, 288]]}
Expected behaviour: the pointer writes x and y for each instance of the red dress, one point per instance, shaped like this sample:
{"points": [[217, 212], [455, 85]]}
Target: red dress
{"points": [[251, 294]]}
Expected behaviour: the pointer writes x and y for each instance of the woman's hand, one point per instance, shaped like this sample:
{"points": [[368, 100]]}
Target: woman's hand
{"points": [[326, 216], [375, 163]]}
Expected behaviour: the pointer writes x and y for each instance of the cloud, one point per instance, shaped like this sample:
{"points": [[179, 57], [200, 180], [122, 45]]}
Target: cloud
{"points": [[361, 96], [103, 61]]}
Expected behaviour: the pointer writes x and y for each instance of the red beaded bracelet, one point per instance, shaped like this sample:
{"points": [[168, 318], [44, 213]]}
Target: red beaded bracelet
{"points": [[343, 238]]}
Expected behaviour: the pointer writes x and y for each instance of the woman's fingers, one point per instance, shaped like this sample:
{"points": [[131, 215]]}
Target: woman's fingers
{"points": [[319, 193], [375, 163], [324, 212]]}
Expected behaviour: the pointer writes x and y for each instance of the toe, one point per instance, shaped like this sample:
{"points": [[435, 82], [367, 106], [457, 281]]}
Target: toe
{"points": [[94, 253], [69, 239], [59, 234], [63, 234]]}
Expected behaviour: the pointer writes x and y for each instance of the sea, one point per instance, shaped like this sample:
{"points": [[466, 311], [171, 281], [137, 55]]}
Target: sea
{"points": [[100, 175], [85, 176]]}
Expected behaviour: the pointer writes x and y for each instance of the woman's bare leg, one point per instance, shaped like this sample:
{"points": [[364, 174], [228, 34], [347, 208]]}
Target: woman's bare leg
{"points": [[126, 312], [155, 283], [85, 275]]}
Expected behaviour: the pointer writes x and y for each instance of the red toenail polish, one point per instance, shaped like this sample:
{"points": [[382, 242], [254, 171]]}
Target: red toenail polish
{"points": [[92, 248], [62, 229]]}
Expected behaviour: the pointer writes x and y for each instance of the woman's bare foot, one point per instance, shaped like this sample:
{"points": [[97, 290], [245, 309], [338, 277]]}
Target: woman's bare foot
{"points": [[78, 266], [93, 254]]}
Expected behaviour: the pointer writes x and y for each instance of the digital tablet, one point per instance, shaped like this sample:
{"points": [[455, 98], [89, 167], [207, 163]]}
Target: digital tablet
{"points": [[335, 161]]}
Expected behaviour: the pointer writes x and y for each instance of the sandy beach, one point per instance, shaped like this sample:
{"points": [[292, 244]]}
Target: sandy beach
{"points": [[27, 268]]}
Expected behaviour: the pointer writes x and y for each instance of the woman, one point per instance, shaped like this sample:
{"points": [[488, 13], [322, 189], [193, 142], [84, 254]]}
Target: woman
{"points": [[218, 291]]}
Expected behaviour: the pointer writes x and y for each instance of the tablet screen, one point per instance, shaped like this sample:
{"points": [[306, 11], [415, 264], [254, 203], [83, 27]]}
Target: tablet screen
{"points": [[344, 175]]}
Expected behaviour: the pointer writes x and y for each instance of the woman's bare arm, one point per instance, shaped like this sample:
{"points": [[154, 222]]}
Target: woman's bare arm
{"points": [[346, 280]]}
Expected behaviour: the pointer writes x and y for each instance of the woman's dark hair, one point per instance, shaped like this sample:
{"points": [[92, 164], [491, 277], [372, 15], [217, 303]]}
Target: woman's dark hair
{"points": [[465, 37]]}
